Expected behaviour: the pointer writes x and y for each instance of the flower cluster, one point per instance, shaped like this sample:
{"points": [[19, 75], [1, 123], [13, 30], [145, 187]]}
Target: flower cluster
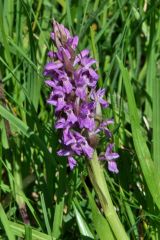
{"points": [[75, 98]]}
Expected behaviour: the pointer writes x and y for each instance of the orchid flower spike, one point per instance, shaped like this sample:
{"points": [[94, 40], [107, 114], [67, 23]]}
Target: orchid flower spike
{"points": [[77, 102]]}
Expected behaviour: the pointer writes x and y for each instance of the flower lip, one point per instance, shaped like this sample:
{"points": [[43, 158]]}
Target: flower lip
{"points": [[110, 157], [72, 162], [112, 167]]}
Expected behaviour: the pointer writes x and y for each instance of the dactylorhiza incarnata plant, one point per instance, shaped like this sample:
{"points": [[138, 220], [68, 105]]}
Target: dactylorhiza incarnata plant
{"points": [[76, 99]]}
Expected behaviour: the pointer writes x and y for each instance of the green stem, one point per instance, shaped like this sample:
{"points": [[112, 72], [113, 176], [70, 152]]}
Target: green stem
{"points": [[99, 183]]}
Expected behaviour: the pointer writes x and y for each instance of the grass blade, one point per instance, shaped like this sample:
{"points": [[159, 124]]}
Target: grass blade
{"points": [[5, 223], [156, 102], [83, 226], [4, 37], [146, 162], [69, 17], [19, 230], [101, 225], [16, 122], [45, 214], [28, 232], [58, 215]]}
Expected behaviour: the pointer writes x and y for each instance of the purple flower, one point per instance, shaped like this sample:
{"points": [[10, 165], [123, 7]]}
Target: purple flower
{"points": [[64, 152], [83, 143], [98, 97], [110, 157], [51, 67], [51, 54], [86, 116], [112, 166], [66, 82], [71, 117], [61, 36], [103, 126], [68, 137], [81, 55], [77, 103], [72, 162], [88, 75], [61, 123], [57, 99]]}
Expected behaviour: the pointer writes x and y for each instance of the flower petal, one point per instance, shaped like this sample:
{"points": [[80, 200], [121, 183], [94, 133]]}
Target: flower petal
{"points": [[72, 162]]}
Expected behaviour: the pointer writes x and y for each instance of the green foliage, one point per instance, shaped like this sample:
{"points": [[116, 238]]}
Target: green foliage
{"points": [[40, 197]]}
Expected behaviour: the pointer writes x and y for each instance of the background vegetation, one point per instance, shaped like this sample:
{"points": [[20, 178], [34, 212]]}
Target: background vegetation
{"points": [[40, 198]]}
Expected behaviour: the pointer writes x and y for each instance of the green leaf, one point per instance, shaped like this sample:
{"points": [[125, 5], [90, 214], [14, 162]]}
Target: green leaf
{"points": [[6, 225], [101, 225], [22, 53], [58, 215], [46, 219], [4, 38], [97, 178], [83, 226], [4, 137], [19, 230], [155, 80], [69, 17], [16, 122], [28, 232], [145, 160]]}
